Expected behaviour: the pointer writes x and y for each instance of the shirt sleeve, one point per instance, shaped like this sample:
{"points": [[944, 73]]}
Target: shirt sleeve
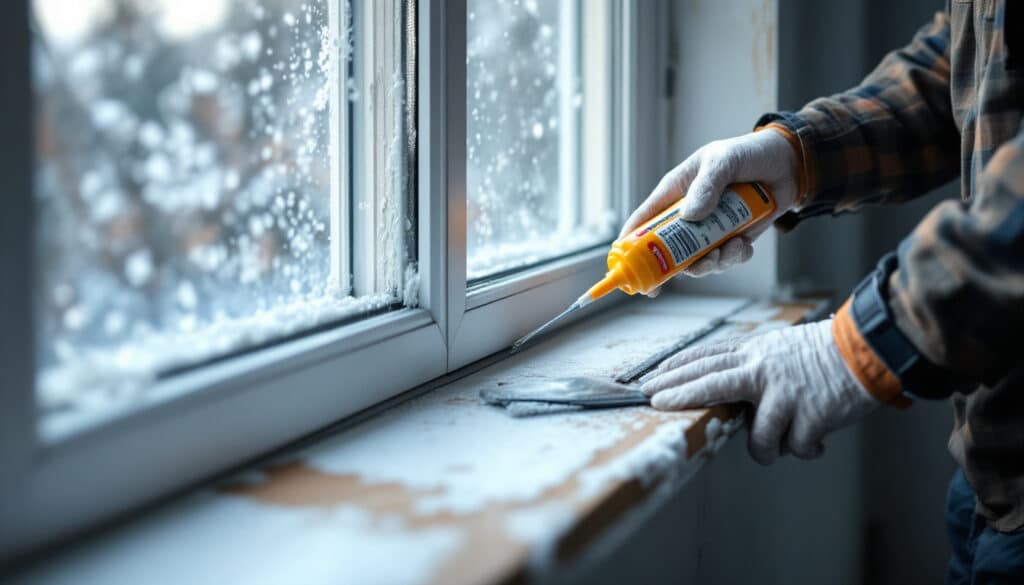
{"points": [[889, 139], [958, 290], [955, 292]]}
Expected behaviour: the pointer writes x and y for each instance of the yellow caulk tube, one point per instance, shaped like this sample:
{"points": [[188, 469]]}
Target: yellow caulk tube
{"points": [[658, 250]]}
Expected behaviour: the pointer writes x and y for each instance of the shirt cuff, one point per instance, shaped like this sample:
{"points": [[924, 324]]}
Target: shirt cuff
{"points": [[801, 137], [794, 143], [869, 369]]}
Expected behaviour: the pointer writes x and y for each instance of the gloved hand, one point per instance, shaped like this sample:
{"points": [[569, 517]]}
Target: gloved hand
{"points": [[795, 378], [764, 156]]}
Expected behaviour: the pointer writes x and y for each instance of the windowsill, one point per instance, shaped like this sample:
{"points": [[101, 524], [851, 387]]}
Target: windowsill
{"points": [[442, 489]]}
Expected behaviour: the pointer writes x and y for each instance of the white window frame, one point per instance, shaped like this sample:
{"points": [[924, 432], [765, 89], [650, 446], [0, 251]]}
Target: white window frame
{"points": [[487, 318], [212, 419]]}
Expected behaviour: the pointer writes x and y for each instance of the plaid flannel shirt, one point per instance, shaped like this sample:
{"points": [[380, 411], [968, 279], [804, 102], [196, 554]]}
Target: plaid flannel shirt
{"points": [[949, 103]]}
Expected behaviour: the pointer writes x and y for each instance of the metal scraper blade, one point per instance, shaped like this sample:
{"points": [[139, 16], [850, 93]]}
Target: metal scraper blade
{"points": [[585, 392]]}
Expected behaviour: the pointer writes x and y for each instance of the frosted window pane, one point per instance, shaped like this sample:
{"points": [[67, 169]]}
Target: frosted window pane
{"points": [[182, 183], [524, 104]]}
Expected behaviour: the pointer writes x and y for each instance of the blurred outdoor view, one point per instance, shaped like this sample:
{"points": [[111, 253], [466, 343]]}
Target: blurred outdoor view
{"points": [[183, 175], [524, 104], [182, 185]]}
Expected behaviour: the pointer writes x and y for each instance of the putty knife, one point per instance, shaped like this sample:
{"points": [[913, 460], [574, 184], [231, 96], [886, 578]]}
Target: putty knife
{"points": [[549, 396], [582, 392]]}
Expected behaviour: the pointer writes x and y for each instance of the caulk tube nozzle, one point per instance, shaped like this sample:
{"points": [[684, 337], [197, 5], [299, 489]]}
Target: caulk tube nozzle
{"points": [[584, 300], [526, 338], [602, 288]]}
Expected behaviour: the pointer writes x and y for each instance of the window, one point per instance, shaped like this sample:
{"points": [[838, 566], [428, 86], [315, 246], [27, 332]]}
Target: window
{"points": [[243, 220], [532, 105], [545, 178], [191, 193]]}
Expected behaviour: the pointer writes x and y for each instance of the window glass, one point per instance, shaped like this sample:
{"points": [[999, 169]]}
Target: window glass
{"points": [[526, 100], [183, 186]]}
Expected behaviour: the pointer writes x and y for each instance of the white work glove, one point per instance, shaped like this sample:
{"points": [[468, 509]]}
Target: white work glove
{"points": [[764, 156], [796, 380]]}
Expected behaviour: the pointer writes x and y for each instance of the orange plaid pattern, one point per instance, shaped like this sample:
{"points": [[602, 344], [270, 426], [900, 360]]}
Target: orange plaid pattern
{"points": [[949, 103]]}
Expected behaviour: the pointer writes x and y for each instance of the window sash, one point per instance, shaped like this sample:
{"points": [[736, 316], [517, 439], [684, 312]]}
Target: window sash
{"points": [[486, 317], [378, 41], [569, 66], [584, 53], [341, 192], [213, 419], [209, 419]]}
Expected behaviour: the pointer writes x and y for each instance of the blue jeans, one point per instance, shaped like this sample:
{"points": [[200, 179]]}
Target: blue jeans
{"points": [[981, 555]]}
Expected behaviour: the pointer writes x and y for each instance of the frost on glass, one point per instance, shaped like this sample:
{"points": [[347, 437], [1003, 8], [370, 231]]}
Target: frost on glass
{"points": [[524, 102], [183, 186]]}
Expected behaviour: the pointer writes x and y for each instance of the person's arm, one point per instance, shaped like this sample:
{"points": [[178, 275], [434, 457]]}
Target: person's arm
{"points": [[889, 139], [953, 294], [942, 315]]}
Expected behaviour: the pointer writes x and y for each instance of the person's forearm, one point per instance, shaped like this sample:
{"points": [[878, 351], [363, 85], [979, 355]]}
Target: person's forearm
{"points": [[955, 290], [959, 291], [890, 138]]}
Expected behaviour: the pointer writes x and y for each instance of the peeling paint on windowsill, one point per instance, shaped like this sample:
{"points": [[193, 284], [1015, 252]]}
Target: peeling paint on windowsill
{"points": [[457, 491]]}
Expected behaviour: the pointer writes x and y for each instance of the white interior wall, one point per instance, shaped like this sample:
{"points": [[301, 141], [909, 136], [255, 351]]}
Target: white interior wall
{"points": [[725, 54], [822, 46]]}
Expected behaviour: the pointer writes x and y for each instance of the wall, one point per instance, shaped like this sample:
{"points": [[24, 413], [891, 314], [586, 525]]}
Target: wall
{"points": [[821, 52], [724, 54]]}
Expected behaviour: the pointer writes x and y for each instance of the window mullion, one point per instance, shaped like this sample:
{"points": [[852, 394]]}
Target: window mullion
{"points": [[390, 146], [455, 164], [568, 115], [432, 128], [626, 97], [598, 63], [341, 142], [376, 200], [365, 180]]}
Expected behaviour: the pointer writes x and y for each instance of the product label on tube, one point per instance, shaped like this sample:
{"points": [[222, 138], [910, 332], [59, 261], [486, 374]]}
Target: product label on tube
{"points": [[684, 239]]}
